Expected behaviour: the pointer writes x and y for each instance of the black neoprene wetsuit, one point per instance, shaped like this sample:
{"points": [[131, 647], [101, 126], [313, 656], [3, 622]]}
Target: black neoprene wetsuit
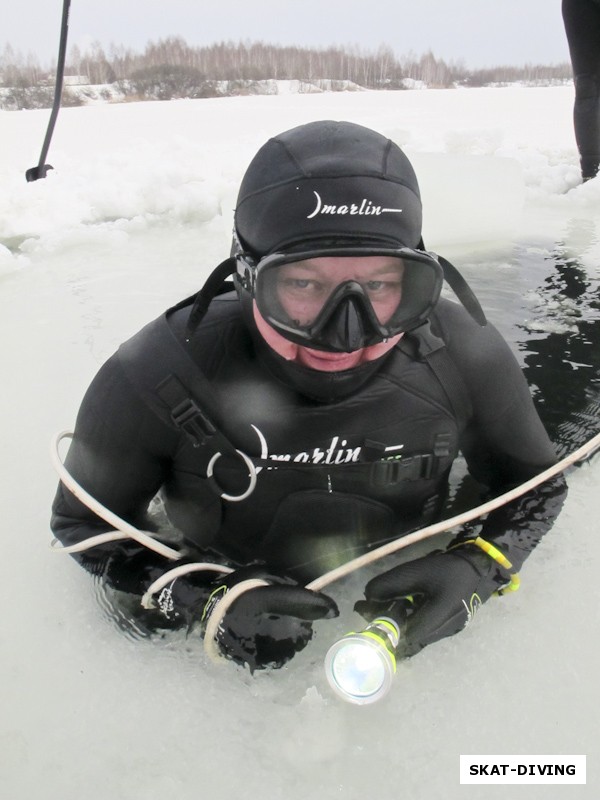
{"points": [[333, 478], [582, 26]]}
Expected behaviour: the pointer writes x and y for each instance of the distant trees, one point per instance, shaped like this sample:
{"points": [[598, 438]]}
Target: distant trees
{"points": [[530, 73], [94, 63], [235, 61], [169, 81], [23, 95], [171, 68], [433, 72], [18, 71]]}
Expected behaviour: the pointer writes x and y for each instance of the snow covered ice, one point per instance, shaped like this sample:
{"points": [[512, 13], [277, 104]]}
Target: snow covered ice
{"points": [[135, 214]]}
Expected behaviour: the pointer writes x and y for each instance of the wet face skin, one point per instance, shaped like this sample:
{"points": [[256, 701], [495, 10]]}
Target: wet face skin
{"points": [[303, 288]]}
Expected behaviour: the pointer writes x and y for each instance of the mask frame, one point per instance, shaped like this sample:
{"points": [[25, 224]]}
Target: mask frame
{"points": [[347, 321]]}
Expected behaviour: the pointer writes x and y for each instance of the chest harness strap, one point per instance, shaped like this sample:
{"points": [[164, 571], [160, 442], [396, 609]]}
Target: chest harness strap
{"points": [[185, 399]]}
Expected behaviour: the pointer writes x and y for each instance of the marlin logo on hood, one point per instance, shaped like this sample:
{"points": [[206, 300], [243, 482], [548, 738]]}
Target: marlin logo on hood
{"points": [[363, 209]]}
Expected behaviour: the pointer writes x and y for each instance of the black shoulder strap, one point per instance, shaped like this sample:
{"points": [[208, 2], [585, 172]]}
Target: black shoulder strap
{"points": [[172, 384], [215, 284], [433, 350], [463, 291]]}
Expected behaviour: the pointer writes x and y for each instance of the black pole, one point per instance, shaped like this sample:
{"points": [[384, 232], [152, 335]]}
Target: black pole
{"points": [[42, 168]]}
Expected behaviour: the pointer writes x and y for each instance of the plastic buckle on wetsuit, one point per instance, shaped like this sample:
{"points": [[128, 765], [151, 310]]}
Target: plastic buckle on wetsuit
{"points": [[428, 465], [188, 416], [411, 468]]}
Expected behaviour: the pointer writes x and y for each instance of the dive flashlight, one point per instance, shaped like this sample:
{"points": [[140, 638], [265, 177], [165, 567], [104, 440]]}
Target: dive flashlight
{"points": [[360, 666]]}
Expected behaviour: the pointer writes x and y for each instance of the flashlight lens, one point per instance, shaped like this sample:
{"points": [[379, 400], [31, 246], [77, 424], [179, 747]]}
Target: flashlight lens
{"points": [[358, 669]]}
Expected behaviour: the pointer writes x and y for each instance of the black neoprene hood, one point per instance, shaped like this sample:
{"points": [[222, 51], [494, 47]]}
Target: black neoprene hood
{"points": [[327, 184]]}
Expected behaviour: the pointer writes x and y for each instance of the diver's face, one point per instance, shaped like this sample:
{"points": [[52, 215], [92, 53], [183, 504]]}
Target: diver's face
{"points": [[304, 286]]}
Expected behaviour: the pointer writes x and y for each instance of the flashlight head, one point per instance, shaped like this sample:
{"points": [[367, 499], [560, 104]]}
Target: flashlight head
{"points": [[360, 666]]}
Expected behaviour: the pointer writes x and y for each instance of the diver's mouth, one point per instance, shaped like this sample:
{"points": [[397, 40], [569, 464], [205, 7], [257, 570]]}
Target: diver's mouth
{"points": [[326, 361]]}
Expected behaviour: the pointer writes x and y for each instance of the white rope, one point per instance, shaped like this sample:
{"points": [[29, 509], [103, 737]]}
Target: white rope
{"points": [[453, 522], [177, 572], [211, 647], [223, 605], [126, 529], [221, 608], [93, 541]]}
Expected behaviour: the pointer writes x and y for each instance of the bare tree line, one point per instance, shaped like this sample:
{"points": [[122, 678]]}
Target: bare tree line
{"points": [[171, 68]]}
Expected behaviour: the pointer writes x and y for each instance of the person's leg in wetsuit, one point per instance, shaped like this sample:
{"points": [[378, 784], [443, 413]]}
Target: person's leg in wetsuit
{"points": [[582, 26]]}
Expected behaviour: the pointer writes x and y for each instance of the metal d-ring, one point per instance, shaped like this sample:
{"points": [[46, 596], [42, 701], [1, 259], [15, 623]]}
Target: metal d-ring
{"points": [[251, 471]]}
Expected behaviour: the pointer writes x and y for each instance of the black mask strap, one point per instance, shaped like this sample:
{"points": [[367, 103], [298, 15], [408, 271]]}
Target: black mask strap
{"points": [[460, 287], [463, 291], [212, 288]]}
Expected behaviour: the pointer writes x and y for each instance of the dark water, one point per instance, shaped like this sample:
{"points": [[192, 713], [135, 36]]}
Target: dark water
{"points": [[546, 304]]}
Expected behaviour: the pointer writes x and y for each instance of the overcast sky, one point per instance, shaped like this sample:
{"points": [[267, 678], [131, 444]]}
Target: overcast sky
{"points": [[478, 32]]}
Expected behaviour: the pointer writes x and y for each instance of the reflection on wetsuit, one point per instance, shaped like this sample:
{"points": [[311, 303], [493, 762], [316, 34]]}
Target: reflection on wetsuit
{"points": [[582, 26]]}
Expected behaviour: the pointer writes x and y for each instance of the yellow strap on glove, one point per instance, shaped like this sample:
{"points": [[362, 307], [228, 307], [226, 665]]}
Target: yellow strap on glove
{"points": [[499, 557]]}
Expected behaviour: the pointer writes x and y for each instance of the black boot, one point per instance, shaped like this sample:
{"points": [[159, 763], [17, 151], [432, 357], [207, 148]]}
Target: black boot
{"points": [[589, 167]]}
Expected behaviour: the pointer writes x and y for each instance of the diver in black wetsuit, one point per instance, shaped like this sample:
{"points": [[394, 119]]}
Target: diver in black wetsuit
{"points": [[314, 412], [582, 26]]}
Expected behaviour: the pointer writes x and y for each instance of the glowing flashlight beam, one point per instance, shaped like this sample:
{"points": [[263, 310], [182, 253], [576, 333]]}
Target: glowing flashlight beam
{"points": [[360, 667]]}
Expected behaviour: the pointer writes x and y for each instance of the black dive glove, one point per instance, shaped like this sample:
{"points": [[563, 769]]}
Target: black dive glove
{"points": [[444, 589], [264, 627], [131, 569], [268, 625]]}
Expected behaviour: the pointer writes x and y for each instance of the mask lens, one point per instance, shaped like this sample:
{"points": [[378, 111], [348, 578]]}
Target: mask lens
{"points": [[303, 289], [389, 290]]}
